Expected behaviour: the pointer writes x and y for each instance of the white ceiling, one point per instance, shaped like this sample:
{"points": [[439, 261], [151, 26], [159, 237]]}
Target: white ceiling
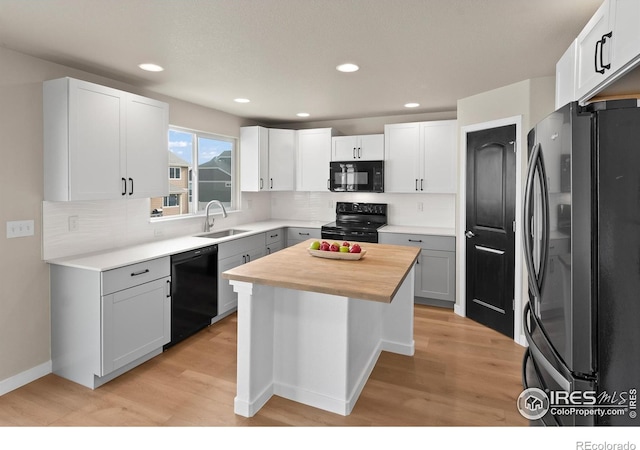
{"points": [[282, 54]]}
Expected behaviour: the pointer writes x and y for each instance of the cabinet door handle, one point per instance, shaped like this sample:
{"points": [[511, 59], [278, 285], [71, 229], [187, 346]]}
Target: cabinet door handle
{"points": [[422, 184], [248, 258], [168, 288], [416, 184], [328, 184], [604, 39], [415, 240], [244, 259], [359, 153], [124, 186], [261, 183], [131, 183], [271, 180], [142, 272], [354, 153]]}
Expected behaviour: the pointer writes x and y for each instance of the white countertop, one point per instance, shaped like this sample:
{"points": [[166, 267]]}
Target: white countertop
{"points": [[112, 259]]}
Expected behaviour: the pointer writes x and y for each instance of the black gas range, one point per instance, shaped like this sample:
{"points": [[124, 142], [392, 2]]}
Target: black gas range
{"points": [[357, 222]]}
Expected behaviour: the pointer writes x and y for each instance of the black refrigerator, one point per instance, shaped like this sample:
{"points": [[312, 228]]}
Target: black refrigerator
{"points": [[582, 252]]}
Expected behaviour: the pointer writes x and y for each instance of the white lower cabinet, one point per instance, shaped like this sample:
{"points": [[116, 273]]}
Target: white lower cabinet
{"points": [[274, 240], [233, 254], [436, 267], [105, 323]]}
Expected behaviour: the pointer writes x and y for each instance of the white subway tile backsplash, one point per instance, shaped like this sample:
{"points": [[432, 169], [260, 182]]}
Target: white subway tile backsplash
{"points": [[109, 224]]}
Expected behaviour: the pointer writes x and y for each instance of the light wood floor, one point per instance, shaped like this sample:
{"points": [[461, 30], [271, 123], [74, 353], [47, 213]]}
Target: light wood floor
{"points": [[461, 374]]}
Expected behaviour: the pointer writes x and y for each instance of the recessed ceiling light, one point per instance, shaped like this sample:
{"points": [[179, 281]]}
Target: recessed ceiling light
{"points": [[347, 67], [411, 105], [151, 67], [242, 100], [302, 114]]}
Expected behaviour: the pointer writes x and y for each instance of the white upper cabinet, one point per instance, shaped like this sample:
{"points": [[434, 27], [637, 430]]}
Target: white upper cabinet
{"points": [[402, 157], [593, 52], [566, 77], [147, 128], [606, 49], [282, 157], [439, 144], [313, 152], [254, 159], [102, 143], [421, 157], [368, 147], [625, 16], [267, 159]]}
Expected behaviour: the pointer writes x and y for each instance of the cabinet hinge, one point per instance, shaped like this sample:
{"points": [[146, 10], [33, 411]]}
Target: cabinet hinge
{"points": [[514, 226], [514, 146]]}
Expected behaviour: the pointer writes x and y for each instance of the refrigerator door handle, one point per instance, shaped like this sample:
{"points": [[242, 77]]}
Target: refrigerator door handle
{"points": [[528, 222], [545, 219]]}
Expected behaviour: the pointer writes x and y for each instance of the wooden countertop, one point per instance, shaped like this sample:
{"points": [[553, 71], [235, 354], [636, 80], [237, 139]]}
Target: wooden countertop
{"points": [[376, 276]]}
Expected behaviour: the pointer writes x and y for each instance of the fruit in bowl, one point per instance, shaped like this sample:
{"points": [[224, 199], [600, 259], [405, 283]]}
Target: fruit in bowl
{"points": [[334, 247], [355, 248], [346, 244], [324, 247], [315, 245], [344, 248]]}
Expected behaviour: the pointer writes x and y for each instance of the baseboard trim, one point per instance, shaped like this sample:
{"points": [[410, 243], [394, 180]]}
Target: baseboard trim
{"points": [[24, 378]]}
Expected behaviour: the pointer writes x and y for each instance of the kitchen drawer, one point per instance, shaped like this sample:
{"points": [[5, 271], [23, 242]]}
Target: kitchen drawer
{"points": [[274, 236], [128, 276], [240, 245], [431, 242], [302, 234]]}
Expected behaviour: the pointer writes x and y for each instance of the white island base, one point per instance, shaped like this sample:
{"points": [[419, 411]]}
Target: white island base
{"points": [[313, 348]]}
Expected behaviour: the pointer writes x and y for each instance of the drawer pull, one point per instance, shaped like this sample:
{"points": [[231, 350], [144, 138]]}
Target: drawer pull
{"points": [[142, 272], [303, 234], [415, 240], [273, 236]]}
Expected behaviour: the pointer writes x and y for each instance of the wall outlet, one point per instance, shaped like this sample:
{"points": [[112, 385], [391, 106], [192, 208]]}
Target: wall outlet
{"points": [[74, 223], [20, 228]]}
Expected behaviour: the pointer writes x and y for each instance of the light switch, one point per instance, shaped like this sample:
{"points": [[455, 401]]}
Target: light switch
{"points": [[20, 228]]}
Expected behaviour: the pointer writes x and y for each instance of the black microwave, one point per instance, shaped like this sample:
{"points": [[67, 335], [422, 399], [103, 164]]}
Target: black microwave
{"points": [[356, 176]]}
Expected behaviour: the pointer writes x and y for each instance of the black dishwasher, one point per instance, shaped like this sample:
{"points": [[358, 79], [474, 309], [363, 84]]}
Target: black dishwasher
{"points": [[194, 292]]}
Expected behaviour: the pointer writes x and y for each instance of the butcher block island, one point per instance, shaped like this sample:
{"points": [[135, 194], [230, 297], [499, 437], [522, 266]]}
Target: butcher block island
{"points": [[311, 329]]}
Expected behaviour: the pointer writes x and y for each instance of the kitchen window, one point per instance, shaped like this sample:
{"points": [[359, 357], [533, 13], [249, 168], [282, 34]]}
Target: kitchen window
{"points": [[201, 168]]}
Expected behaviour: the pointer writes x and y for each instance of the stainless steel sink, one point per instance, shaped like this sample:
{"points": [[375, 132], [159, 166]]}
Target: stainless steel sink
{"points": [[223, 233]]}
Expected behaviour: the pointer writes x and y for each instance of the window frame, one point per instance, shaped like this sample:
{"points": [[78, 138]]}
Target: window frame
{"points": [[193, 175]]}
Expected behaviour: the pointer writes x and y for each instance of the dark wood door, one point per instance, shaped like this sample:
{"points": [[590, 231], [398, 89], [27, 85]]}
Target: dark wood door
{"points": [[489, 234]]}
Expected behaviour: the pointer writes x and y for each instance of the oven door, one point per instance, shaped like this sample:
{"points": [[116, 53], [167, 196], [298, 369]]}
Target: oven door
{"points": [[356, 176]]}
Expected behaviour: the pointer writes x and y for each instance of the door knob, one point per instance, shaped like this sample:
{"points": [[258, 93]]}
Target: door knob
{"points": [[469, 234]]}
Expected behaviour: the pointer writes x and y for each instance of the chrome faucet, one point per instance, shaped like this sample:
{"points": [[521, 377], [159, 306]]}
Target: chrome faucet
{"points": [[207, 225]]}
